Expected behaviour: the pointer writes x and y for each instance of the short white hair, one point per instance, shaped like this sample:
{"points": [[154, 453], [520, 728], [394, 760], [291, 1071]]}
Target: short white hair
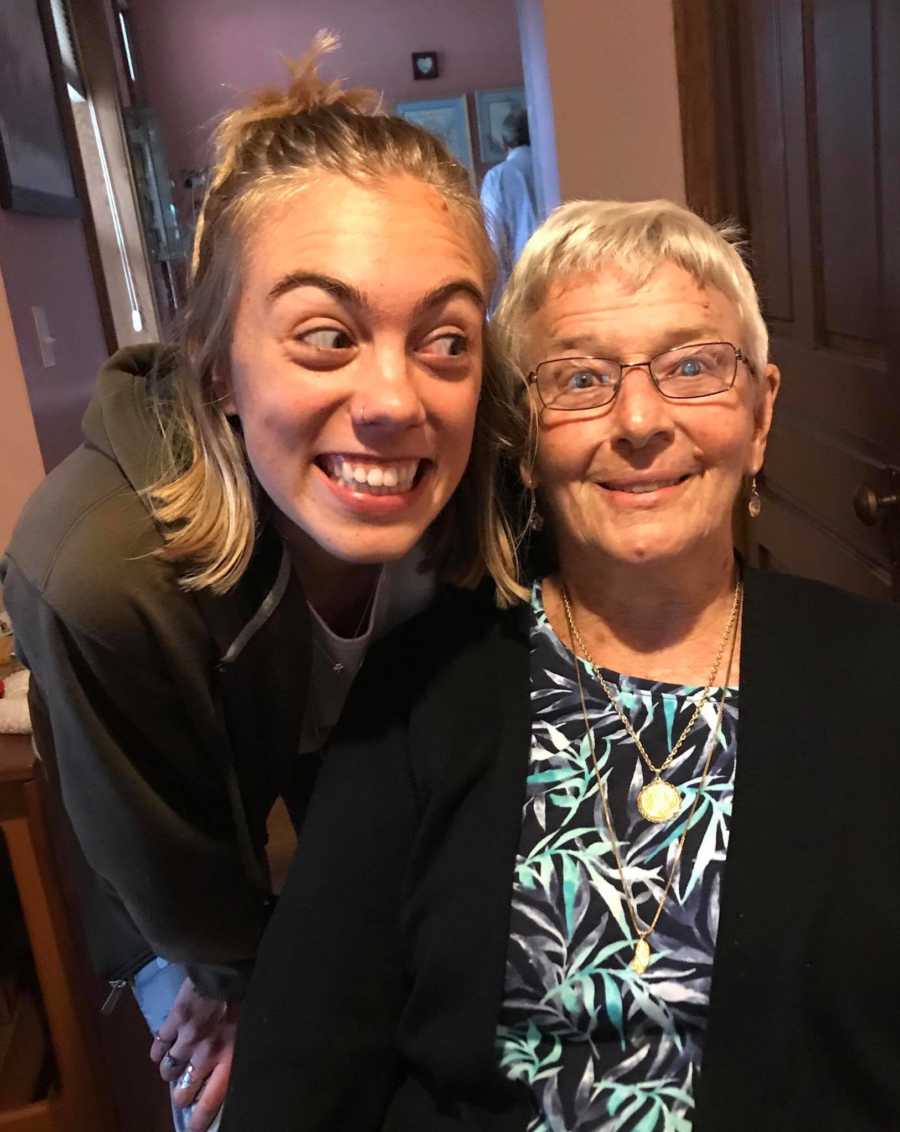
{"points": [[636, 237]]}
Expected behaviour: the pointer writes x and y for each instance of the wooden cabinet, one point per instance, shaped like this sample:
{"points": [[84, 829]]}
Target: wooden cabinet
{"points": [[76, 1099]]}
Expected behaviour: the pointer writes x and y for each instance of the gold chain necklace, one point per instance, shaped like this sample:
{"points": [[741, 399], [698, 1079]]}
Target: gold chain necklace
{"points": [[641, 958], [658, 801]]}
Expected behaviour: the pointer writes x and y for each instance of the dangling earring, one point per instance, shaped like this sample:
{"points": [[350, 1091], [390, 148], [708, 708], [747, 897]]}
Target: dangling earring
{"points": [[534, 523], [754, 503], [535, 518]]}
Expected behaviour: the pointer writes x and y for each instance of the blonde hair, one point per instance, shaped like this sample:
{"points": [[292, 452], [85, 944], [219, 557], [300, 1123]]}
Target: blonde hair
{"points": [[205, 500], [635, 237]]}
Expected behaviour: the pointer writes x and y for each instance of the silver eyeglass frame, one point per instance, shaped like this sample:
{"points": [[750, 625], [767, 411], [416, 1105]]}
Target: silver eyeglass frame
{"points": [[624, 367]]}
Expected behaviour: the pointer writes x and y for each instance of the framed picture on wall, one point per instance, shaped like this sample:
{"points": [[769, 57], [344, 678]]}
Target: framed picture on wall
{"points": [[35, 175], [448, 118], [492, 107]]}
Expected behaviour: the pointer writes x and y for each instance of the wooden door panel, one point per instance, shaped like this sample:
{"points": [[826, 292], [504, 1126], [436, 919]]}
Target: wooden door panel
{"points": [[799, 102], [844, 193], [854, 399], [887, 32], [766, 168], [788, 539], [819, 198], [813, 474]]}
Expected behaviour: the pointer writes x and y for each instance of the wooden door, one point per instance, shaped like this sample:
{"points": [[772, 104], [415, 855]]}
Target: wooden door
{"points": [[791, 114]]}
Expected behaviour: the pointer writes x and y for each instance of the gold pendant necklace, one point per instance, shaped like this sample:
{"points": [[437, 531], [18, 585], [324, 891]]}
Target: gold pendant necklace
{"points": [[657, 801], [640, 960]]}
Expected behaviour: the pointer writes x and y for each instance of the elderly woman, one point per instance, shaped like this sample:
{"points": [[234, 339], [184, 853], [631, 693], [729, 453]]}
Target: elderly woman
{"points": [[619, 858]]}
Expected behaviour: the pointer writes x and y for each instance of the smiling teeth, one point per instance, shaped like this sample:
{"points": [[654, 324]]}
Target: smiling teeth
{"points": [[644, 488], [374, 479]]}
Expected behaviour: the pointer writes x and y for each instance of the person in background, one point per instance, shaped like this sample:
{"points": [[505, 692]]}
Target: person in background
{"points": [[622, 857], [195, 587], [507, 197]]}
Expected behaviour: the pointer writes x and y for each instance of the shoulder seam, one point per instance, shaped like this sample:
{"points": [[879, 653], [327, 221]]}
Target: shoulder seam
{"points": [[73, 526], [73, 626]]}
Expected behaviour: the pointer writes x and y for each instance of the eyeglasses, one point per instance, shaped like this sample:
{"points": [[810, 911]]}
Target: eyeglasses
{"points": [[683, 374]]}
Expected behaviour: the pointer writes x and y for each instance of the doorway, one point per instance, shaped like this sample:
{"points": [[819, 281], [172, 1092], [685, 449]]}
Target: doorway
{"points": [[791, 123]]}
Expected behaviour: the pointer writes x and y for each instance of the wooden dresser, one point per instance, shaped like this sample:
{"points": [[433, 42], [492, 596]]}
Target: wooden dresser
{"points": [[76, 1100]]}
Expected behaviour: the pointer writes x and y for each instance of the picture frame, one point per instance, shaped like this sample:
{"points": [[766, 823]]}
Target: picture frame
{"points": [[35, 171], [491, 108], [448, 119], [425, 65]]}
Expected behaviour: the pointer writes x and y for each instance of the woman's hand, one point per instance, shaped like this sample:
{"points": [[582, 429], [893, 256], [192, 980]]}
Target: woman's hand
{"points": [[194, 1048]]}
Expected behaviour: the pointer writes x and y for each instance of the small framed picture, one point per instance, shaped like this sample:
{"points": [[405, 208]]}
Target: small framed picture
{"points": [[425, 65], [448, 119], [35, 175], [492, 108]]}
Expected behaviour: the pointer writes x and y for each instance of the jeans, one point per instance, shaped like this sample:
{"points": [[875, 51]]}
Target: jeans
{"points": [[155, 987]]}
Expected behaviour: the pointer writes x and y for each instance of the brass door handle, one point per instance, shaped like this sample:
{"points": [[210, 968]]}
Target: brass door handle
{"points": [[871, 506]]}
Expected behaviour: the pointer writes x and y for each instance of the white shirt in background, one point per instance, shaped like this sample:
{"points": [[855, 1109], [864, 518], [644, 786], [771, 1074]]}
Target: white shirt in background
{"points": [[510, 209]]}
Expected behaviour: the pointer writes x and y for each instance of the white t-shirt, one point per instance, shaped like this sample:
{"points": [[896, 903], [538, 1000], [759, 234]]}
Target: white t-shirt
{"points": [[401, 592]]}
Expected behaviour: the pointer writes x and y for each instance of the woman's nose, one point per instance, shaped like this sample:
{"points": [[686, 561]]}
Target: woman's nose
{"points": [[640, 412], [388, 394]]}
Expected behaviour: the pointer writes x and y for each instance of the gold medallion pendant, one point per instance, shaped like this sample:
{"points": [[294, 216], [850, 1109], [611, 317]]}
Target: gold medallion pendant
{"points": [[659, 801], [641, 957]]}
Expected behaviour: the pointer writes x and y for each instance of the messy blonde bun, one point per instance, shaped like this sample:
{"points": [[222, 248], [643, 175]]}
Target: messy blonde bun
{"points": [[204, 499], [255, 125], [306, 91]]}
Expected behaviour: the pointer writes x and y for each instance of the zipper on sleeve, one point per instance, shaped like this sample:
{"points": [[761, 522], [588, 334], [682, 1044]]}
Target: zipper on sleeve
{"points": [[116, 987], [121, 979]]}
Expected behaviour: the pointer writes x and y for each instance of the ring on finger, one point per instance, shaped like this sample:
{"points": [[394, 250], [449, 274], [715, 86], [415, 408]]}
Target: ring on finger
{"points": [[187, 1078], [170, 1062]]}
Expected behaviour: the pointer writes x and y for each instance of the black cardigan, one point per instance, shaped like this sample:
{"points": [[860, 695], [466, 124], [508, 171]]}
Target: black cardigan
{"points": [[378, 986]]}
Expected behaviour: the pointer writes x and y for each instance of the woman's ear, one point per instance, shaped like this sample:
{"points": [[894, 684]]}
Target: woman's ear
{"points": [[765, 406]]}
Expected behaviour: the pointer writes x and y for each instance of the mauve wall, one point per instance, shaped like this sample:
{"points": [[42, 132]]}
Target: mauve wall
{"points": [[200, 58], [21, 463], [44, 262], [615, 98]]}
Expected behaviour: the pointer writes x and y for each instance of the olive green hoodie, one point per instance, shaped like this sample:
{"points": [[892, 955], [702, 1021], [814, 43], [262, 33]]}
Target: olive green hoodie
{"points": [[170, 720]]}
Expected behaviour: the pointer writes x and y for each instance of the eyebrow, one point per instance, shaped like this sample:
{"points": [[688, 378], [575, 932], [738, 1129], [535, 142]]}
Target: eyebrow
{"points": [[343, 292], [681, 335], [352, 296], [447, 291]]}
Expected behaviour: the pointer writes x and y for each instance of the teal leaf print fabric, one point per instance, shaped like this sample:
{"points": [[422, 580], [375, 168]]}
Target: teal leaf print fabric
{"points": [[601, 1048]]}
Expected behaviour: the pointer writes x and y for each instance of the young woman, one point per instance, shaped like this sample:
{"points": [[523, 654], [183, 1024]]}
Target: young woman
{"points": [[195, 587], [619, 859]]}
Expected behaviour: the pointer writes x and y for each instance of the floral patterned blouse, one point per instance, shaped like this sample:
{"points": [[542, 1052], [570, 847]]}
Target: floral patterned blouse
{"points": [[604, 1049]]}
